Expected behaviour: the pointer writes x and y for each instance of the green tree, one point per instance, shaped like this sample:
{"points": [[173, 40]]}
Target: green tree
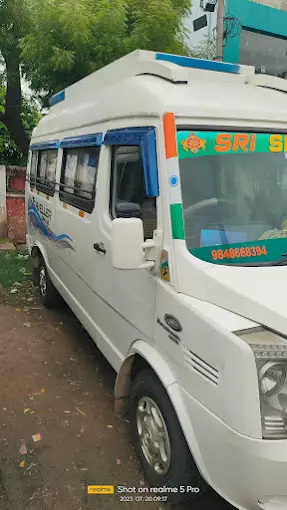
{"points": [[10, 154], [54, 43], [69, 39], [13, 26], [205, 49]]}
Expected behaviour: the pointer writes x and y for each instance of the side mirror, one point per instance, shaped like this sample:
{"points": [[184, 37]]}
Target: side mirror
{"points": [[128, 210], [128, 244]]}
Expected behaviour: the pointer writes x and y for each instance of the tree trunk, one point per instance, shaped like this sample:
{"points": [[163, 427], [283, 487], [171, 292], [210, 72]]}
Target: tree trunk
{"points": [[12, 116]]}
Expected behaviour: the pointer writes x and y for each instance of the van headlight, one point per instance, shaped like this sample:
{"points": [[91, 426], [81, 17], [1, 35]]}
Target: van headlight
{"points": [[270, 352], [272, 378]]}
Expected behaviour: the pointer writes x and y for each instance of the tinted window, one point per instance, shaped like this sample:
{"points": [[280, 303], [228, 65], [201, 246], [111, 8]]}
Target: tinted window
{"points": [[46, 171], [79, 175], [128, 186]]}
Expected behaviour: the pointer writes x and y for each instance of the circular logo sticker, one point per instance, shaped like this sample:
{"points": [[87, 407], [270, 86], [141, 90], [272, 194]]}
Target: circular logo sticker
{"points": [[173, 181]]}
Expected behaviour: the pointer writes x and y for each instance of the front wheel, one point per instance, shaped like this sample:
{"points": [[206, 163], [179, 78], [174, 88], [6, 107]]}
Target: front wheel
{"points": [[48, 292], [160, 444]]}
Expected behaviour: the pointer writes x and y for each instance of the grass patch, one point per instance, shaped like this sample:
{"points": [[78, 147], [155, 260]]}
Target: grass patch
{"points": [[14, 268], [16, 287]]}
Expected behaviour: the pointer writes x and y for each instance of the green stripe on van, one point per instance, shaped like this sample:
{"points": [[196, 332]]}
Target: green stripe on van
{"points": [[177, 221]]}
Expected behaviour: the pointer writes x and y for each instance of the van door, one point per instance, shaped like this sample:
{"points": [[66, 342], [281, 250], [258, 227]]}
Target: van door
{"points": [[127, 175]]}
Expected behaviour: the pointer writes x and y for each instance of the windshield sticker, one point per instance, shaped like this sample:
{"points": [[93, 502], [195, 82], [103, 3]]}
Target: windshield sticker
{"points": [[254, 252], [209, 143], [164, 266], [193, 144]]}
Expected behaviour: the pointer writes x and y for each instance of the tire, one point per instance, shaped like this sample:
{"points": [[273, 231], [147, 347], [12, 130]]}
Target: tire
{"points": [[50, 297], [35, 276], [181, 469]]}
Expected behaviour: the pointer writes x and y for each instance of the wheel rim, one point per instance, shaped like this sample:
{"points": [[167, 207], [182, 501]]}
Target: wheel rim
{"points": [[153, 435], [43, 282]]}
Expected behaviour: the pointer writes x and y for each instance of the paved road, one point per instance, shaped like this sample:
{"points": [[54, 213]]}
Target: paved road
{"points": [[54, 381]]}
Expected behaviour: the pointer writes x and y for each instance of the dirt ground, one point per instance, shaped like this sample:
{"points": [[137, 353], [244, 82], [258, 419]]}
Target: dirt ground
{"points": [[55, 382]]}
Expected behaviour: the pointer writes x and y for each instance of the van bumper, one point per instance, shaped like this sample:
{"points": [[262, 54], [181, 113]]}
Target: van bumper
{"points": [[251, 474]]}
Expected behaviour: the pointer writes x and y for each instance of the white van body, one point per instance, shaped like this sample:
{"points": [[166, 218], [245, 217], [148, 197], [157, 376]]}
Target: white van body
{"points": [[191, 320]]}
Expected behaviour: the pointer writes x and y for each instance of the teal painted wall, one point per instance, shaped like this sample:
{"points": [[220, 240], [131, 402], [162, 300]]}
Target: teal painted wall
{"points": [[254, 17]]}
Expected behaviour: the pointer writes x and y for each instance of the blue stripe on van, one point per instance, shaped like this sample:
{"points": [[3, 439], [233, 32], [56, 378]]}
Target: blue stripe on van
{"points": [[95, 139], [52, 144], [57, 98], [198, 63]]}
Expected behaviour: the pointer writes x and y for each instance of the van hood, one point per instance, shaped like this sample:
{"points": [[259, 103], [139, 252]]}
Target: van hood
{"points": [[257, 293]]}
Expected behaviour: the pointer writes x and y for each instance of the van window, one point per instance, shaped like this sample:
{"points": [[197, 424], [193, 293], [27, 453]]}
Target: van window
{"points": [[33, 168], [128, 186], [78, 180], [46, 171]]}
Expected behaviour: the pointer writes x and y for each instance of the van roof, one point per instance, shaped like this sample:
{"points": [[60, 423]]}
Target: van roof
{"points": [[147, 84]]}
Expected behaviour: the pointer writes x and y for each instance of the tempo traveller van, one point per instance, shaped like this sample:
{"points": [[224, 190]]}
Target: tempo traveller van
{"points": [[156, 200]]}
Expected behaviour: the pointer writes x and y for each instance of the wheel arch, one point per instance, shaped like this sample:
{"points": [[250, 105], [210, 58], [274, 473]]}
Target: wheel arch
{"points": [[143, 355], [38, 251]]}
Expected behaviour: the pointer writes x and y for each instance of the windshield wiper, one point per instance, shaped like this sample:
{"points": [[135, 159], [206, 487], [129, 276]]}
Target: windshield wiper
{"points": [[282, 262]]}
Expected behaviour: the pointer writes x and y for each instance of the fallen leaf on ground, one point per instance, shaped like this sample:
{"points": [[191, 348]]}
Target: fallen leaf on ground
{"points": [[81, 412], [22, 464], [42, 391], [26, 410]]}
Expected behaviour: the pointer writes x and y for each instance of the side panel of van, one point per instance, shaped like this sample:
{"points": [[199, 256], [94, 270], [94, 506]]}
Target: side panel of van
{"points": [[118, 306]]}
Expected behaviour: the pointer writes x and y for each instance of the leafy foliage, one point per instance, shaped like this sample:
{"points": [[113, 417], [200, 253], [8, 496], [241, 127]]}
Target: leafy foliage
{"points": [[205, 49], [69, 39], [54, 43], [30, 116]]}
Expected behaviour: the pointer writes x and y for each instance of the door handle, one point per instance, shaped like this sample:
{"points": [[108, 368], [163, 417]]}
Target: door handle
{"points": [[100, 247]]}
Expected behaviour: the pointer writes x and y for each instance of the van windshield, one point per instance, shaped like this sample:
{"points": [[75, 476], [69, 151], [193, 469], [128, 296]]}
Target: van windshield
{"points": [[234, 196]]}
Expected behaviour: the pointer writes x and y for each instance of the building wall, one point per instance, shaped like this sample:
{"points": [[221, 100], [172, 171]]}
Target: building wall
{"points": [[256, 16], [276, 4], [12, 203]]}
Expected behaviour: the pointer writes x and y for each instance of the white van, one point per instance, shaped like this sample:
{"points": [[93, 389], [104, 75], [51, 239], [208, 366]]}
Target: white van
{"points": [[157, 208]]}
